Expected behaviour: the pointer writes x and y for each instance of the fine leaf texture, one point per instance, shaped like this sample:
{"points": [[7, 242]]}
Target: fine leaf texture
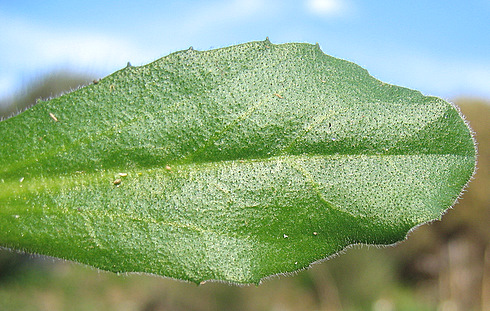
{"points": [[231, 164]]}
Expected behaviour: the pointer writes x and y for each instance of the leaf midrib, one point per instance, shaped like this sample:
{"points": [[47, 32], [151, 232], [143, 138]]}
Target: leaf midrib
{"points": [[191, 157], [85, 178]]}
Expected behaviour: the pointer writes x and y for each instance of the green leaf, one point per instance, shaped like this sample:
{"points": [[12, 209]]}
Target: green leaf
{"points": [[231, 164]]}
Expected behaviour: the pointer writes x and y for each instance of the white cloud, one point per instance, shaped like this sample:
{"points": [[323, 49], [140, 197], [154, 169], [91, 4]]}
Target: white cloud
{"points": [[30, 48], [453, 78], [85, 50], [431, 74], [327, 8], [34, 49]]}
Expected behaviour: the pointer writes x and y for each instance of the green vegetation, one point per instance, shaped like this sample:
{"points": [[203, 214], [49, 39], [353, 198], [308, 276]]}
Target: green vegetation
{"points": [[232, 164]]}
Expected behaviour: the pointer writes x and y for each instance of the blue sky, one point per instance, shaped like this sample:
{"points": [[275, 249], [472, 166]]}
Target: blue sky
{"points": [[441, 48]]}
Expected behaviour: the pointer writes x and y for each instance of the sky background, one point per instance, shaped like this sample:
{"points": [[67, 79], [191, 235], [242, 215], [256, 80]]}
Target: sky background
{"points": [[440, 48]]}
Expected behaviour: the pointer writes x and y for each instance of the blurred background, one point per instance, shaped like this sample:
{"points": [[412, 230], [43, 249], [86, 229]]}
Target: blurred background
{"points": [[437, 47]]}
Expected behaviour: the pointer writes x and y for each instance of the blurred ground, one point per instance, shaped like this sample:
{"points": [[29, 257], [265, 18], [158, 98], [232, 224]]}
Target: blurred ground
{"points": [[443, 266]]}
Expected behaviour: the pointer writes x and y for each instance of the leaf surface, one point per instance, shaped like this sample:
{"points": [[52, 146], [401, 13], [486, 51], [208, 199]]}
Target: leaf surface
{"points": [[231, 164]]}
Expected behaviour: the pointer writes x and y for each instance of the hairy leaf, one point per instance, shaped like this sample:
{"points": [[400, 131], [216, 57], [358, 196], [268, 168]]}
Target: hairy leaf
{"points": [[231, 164]]}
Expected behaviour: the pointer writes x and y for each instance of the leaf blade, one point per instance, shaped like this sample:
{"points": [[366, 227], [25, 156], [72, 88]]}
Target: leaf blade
{"points": [[238, 161]]}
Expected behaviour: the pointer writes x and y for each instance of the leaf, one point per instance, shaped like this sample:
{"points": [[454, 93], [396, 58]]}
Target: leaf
{"points": [[231, 164]]}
